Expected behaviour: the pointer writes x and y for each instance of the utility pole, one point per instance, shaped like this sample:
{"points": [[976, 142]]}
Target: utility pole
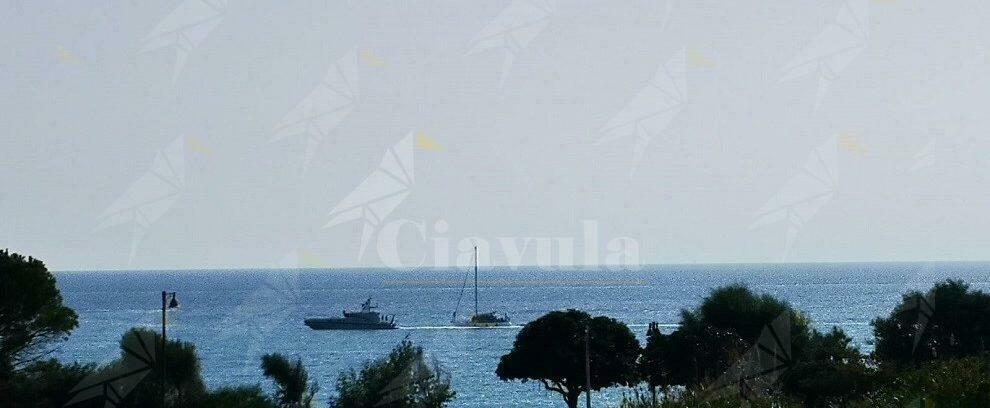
{"points": [[587, 364], [475, 280], [161, 358]]}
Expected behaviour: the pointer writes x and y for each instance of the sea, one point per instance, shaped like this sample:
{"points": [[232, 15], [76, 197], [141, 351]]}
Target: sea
{"points": [[235, 316]]}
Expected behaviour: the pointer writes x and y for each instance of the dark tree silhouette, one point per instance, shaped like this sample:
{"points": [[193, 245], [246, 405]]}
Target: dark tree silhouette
{"points": [[737, 335], [183, 374], [291, 381], [134, 380], [551, 350], [32, 315], [239, 397], [652, 367], [47, 384], [831, 373], [949, 321], [711, 337]]}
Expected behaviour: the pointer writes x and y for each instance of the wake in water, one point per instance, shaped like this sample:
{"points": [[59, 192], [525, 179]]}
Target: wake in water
{"points": [[456, 327], [515, 326]]}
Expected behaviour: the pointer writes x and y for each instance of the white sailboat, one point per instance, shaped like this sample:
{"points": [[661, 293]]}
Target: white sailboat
{"points": [[481, 320]]}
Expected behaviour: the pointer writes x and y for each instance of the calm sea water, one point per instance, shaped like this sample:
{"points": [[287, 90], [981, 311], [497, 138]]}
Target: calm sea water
{"points": [[236, 316]]}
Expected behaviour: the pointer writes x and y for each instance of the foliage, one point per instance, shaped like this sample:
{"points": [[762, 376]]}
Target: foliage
{"points": [[403, 379], [652, 367], [698, 398], [732, 325], [238, 397], [713, 336], [47, 384], [291, 381], [949, 321], [551, 349], [831, 372], [50, 384], [183, 378], [963, 382], [32, 315]]}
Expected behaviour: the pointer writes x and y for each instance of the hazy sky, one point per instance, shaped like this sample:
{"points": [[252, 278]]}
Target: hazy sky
{"points": [[194, 134]]}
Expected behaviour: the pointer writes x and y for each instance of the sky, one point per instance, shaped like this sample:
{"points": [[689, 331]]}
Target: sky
{"points": [[248, 134]]}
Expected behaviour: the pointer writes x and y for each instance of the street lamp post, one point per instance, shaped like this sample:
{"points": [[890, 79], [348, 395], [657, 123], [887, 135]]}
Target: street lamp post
{"points": [[165, 305], [587, 364]]}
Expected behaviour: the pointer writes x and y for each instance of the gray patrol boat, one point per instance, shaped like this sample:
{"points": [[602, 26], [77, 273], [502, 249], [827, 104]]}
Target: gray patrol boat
{"points": [[366, 319]]}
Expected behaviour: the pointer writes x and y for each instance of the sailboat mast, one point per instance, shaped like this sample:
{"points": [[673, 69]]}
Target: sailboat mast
{"points": [[476, 280]]}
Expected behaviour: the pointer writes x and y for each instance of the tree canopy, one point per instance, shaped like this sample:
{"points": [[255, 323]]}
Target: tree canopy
{"points": [[551, 350], [950, 320], [239, 397], [183, 373], [403, 379], [714, 335], [293, 389], [830, 372], [32, 315], [754, 344], [47, 384]]}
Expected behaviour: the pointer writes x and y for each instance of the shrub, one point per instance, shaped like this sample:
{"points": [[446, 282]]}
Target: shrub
{"points": [[403, 379], [47, 384], [963, 382]]}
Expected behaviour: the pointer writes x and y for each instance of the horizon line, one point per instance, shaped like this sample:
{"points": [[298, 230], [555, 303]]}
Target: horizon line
{"points": [[629, 268]]}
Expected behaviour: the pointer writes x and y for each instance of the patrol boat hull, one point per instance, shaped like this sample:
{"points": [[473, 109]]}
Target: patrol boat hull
{"points": [[341, 324]]}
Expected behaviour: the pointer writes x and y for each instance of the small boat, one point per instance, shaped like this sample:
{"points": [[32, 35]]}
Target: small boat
{"points": [[366, 319], [480, 320]]}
